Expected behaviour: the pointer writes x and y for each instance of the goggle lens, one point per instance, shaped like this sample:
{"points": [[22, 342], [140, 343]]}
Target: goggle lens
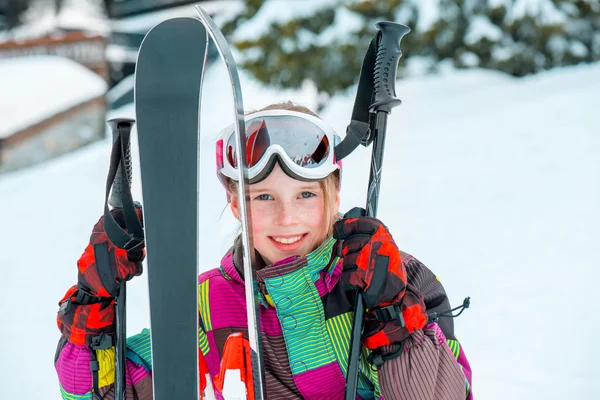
{"points": [[304, 142]]}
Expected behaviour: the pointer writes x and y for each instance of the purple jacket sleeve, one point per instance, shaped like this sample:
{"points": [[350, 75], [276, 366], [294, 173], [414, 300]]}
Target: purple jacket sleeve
{"points": [[432, 364], [73, 365], [427, 369]]}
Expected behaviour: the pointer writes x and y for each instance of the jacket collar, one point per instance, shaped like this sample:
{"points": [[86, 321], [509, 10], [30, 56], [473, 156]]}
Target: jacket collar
{"points": [[322, 264]]}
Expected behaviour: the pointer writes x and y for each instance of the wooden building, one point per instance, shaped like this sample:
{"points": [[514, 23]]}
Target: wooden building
{"points": [[49, 106]]}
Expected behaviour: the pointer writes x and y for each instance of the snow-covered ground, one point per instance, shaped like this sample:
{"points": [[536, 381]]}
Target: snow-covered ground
{"points": [[492, 182]]}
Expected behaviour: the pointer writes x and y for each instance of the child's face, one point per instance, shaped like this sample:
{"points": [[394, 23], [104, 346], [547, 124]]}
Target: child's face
{"points": [[287, 216]]}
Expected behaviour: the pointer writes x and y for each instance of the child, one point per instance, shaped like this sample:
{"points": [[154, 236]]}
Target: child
{"points": [[309, 262]]}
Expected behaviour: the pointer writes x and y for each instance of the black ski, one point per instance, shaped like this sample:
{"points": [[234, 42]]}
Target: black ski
{"points": [[168, 79]]}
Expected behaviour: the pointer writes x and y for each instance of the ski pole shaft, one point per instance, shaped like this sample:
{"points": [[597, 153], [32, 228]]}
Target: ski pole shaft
{"points": [[376, 163], [120, 348], [384, 75], [116, 125], [371, 208]]}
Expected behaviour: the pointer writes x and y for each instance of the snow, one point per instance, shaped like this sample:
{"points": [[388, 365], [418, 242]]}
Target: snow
{"points": [[578, 49], [558, 44], [545, 12], [37, 87], [278, 12], [480, 28], [41, 19], [345, 21], [124, 86], [85, 15], [120, 54], [428, 14], [220, 10], [469, 59], [491, 181]]}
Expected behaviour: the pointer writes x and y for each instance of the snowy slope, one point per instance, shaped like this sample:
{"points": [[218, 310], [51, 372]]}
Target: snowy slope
{"points": [[491, 181]]}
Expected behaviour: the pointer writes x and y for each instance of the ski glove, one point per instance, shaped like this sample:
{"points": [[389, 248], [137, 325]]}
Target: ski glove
{"points": [[87, 311], [102, 266], [372, 265]]}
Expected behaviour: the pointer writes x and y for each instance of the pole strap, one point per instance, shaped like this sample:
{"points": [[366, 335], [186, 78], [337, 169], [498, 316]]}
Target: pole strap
{"points": [[361, 127], [133, 238]]}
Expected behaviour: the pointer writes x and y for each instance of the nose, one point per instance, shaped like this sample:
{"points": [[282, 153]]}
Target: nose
{"points": [[286, 214]]}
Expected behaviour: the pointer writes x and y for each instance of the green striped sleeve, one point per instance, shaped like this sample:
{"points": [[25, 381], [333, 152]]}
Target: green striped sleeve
{"points": [[204, 305], [68, 396], [140, 350]]}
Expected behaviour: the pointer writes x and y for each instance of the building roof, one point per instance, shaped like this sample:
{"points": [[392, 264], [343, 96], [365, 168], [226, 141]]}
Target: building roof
{"points": [[37, 87]]}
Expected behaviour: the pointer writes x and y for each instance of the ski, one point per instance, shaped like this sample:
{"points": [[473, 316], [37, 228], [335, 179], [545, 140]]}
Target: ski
{"points": [[168, 80], [254, 343]]}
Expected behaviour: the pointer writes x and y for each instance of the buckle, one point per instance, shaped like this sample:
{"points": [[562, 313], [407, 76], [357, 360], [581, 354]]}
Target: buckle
{"points": [[79, 298], [65, 307], [378, 357], [389, 313], [375, 359], [83, 298], [134, 245], [101, 342]]}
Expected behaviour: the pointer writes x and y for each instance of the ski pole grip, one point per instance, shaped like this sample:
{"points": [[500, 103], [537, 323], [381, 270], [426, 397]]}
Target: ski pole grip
{"points": [[116, 126], [386, 65]]}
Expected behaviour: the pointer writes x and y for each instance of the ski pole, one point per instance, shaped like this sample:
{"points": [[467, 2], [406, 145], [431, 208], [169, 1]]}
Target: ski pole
{"points": [[384, 99], [119, 126]]}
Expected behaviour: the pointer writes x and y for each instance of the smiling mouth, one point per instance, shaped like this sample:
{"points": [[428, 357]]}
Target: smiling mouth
{"points": [[287, 240]]}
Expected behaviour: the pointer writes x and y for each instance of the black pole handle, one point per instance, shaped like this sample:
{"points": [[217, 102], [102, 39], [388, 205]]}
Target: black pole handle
{"points": [[117, 188], [386, 65], [118, 125]]}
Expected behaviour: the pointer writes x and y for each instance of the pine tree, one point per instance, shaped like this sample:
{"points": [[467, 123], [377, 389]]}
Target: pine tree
{"points": [[582, 31], [518, 37], [313, 47]]}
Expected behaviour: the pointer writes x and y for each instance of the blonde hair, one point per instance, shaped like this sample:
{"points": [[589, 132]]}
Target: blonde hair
{"points": [[330, 185]]}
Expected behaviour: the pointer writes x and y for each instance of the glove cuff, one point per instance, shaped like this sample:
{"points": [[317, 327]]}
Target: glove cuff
{"points": [[87, 320], [378, 356]]}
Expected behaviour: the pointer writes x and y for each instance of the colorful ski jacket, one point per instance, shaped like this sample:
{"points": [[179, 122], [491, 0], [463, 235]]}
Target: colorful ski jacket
{"points": [[305, 320]]}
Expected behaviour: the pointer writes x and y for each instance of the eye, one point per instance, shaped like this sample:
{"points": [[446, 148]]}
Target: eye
{"points": [[307, 195], [263, 197]]}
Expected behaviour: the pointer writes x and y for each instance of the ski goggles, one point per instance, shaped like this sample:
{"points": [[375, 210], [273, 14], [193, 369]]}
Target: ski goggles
{"points": [[303, 144]]}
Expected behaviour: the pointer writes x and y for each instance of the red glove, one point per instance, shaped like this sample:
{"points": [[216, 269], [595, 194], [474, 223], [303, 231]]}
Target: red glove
{"points": [[372, 265], [102, 266], [87, 312]]}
